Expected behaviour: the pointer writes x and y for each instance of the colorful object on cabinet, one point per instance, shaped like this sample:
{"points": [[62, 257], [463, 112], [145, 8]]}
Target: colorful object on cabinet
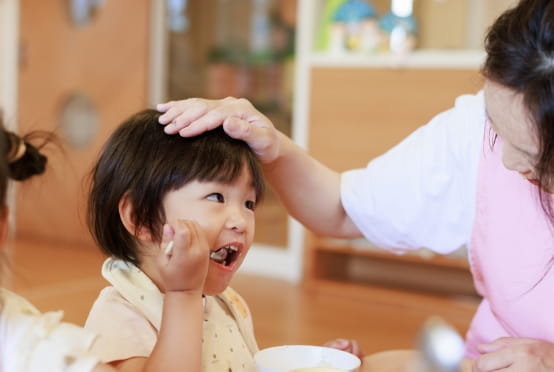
{"points": [[329, 11], [354, 27], [400, 27]]}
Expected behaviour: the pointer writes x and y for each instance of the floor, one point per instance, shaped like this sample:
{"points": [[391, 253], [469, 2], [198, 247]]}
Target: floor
{"points": [[67, 277]]}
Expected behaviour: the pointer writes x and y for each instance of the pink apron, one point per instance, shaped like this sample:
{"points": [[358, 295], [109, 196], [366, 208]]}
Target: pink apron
{"points": [[511, 247]]}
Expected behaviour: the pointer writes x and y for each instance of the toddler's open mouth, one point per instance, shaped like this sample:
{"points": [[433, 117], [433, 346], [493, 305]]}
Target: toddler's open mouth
{"points": [[225, 255]]}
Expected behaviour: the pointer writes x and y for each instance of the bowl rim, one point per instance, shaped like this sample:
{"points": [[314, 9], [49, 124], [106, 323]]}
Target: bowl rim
{"points": [[356, 361]]}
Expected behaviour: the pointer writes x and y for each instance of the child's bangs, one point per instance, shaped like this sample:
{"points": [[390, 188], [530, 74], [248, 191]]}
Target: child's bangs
{"points": [[214, 160], [214, 157]]}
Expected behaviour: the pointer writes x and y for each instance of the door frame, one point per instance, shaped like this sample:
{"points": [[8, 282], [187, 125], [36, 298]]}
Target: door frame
{"points": [[9, 63], [9, 50]]}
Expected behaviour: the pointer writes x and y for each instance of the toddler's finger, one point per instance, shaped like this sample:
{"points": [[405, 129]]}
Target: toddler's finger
{"points": [[339, 343], [167, 240], [184, 237], [356, 349]]}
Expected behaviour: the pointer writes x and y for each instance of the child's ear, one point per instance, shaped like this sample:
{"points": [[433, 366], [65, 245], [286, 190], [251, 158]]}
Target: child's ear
{"points": [[127, 216]]}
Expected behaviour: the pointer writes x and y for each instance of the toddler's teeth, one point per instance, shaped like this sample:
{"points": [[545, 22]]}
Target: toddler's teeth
{"points": [[216, 256]]}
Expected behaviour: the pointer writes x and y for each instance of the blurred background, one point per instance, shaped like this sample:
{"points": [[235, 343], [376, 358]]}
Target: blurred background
{"points": [[330, 73]]}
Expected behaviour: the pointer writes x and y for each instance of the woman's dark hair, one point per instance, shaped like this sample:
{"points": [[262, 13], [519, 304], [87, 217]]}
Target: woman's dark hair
{"points": [[19, 158], [141, 162], [520, 56]]}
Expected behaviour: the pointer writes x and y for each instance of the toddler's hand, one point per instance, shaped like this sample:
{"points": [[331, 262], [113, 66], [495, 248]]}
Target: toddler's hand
{"points": [[350, 346], [183, 257]]}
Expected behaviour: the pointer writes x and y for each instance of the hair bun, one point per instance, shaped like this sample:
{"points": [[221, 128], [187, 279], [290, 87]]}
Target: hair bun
{"points": [[24, 159]]}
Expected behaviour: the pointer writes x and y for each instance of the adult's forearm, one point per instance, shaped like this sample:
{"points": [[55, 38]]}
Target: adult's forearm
{"points": [[309, 190]]}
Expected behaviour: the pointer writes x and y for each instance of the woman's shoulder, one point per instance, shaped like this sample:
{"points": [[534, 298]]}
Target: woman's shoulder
{"points": [[471, 109], [459, 128], [477, 99]]}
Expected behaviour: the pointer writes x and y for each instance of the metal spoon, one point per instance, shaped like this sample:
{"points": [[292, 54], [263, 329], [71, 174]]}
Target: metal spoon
{"points": [[441, 346]]}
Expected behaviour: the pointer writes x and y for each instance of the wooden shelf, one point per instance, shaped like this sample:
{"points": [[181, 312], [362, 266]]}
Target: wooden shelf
{"points": [[355, 263], [366, 250], [443, 59]]}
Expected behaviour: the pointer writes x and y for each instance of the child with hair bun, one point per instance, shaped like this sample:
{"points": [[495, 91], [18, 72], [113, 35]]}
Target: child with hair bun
{"points": [[30, 340]]}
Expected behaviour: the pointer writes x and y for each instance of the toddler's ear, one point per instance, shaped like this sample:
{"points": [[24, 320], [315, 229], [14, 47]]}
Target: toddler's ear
{"points": [[127, 216]]}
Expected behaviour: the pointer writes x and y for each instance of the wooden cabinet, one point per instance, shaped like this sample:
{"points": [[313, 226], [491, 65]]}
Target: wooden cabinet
{"points": [[356, 114], [352, 108], [331, 262]]}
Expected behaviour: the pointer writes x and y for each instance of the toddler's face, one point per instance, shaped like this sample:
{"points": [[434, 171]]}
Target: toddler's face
{"points": [[226, 214]]}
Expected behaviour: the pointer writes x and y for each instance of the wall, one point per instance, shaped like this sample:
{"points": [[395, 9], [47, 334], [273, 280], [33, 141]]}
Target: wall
{"points": [[106, 60]]}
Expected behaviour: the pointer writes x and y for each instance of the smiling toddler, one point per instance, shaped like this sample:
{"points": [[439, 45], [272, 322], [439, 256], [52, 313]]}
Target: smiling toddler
{"points": [[144, 182]]}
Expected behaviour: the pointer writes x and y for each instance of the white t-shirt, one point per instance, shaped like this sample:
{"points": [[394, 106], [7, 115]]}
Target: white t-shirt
{"points": [[35, 342], [422, 192]]}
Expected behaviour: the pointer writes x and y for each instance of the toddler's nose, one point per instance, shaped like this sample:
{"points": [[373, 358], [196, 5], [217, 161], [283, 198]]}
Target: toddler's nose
{"points": [[236, 220]]}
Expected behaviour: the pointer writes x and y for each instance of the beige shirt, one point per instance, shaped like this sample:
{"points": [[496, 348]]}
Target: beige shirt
{"points": [[34, 342], [127, 317]]}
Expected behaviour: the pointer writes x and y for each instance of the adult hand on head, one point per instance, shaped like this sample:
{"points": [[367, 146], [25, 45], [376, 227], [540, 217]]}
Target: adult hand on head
{"points": [[184, 256], [348, 345], [238, 116], [515, 354]]}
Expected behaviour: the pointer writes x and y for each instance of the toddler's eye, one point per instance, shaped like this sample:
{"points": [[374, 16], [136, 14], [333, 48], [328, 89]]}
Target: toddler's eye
{"points": [[250, 204], [216, 197]]}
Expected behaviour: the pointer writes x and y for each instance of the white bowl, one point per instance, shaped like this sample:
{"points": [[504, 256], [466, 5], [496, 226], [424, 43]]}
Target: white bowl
{"points": [[290, 357]]}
